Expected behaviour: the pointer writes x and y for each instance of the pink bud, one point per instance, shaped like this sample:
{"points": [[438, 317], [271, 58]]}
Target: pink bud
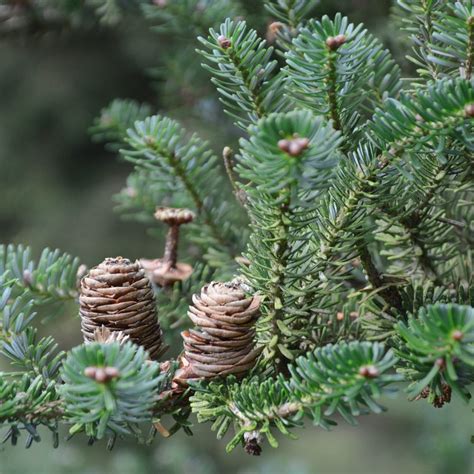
{"points": [[90, 372], [224, 42], [469, 110], [284, 145], [100, 375], [111, 372]]}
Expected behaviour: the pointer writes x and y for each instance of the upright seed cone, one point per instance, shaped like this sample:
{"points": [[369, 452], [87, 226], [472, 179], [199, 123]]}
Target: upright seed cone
{"points": [[118, 296], [223, 342]]}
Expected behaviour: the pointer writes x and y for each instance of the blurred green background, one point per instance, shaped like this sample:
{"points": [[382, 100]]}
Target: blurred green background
{"points": [[56, 190]]}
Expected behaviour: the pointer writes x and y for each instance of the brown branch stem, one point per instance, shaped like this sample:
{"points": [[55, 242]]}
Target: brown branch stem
{"points": [[470, 48], [388, 292], [170, 255]]}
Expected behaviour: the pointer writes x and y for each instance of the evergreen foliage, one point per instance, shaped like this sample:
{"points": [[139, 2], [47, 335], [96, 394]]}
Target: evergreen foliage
{"points": [[344, 379], [104, 405], [357, 187], [243, 72], [442, 34], [52, 278], [290, 12], [437, 348], [291, 16], [180, 15], [115, 119], [186, 167], [26, 404], [341, 82]]}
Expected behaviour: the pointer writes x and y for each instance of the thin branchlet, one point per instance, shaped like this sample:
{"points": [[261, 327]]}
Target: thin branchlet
{"points": [[470, 48]]}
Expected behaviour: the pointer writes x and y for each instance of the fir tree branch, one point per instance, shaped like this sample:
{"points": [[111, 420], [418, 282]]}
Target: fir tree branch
{"points": [[340, 249], [195, 195], [340, 236], [35, 357], [418, 120], [290, 12], [470, 48], [453, 40], [52, 410], [429, 173], [52, 278], [276, 291], [389, 293], [243, 72], [114, 121], [228, 155], [258, 406], [417, 17], [460, 225], [158, 146], [436, 348], [290, 16], [255, 96], [332, 91], [413, 221], [187, 18], [341, 215], [280, 194], [25, 404], [118, 381], [424, 257], [16, 312], [429, 7], [340, 71]]}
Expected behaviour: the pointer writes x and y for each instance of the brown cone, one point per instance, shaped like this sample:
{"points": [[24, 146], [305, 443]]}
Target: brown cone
{"points": [[116, 295], [223, 342]]}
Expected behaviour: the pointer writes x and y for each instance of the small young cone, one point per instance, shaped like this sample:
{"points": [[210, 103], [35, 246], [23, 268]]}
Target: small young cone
{"points": [[117, 296], [223, 342]]}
